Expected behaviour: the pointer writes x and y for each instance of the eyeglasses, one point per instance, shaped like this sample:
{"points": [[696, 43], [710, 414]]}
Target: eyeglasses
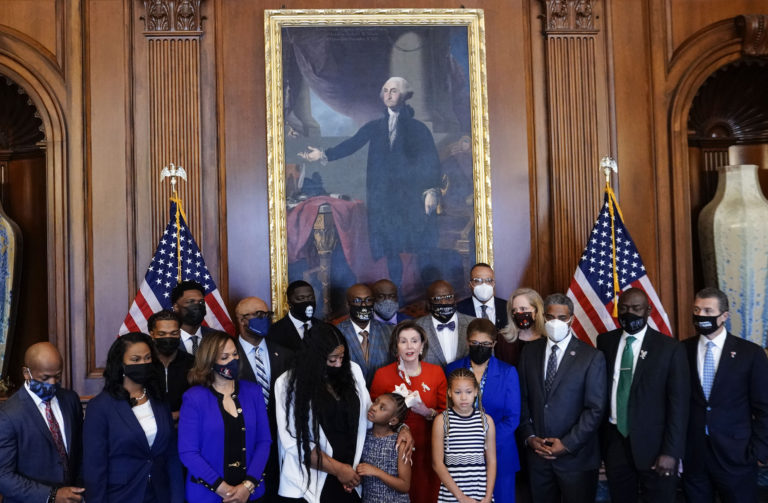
{"points": [[358, 301], [259, 315], [442, 297], [480, 281], [481, 344]]}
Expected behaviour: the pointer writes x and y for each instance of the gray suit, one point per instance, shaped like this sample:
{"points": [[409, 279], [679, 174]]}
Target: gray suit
{"points": [[378, 347], [435, 351]]}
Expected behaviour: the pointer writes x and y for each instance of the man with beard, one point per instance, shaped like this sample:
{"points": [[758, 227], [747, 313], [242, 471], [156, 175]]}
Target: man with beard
{"points": [[291, 329], [165, 328], [188, 300], [367, 339], [386, 303], [446, 329]]}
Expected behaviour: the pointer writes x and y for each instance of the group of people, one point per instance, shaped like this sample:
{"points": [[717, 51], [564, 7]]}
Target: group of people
{"points": [[474, 402]]}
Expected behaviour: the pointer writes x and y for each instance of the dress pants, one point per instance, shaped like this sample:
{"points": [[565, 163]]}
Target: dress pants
{"points": [[626, 483], [707, 477], [550, 485]]}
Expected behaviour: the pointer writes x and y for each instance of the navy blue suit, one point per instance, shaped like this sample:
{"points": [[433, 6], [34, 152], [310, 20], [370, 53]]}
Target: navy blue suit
{"points": [[736, 416], [29, 462], [501, 400], [467, 306], [118, 462]]}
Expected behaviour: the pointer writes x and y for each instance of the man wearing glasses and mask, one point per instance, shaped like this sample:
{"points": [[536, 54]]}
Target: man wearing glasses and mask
{"points": [[262, 360], [483, 302], [445, 327]]}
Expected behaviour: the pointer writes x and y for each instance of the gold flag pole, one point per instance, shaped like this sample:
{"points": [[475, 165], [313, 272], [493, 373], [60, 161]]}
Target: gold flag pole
{"points": [[608, 164], [174, 172]]}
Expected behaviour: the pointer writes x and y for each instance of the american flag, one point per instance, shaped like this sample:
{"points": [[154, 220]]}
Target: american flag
{"points": [[603, 274], [163, 274]]}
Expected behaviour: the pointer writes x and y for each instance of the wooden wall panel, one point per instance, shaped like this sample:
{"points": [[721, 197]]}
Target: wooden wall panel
{"points": [[38, 21]]}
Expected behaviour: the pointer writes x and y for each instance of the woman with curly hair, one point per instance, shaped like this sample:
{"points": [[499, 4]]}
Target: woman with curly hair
{"points": [[129, 441]]}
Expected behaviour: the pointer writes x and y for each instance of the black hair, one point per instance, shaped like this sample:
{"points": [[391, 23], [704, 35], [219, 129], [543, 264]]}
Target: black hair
{"points": [[164, 315], [182, 287], [113, 370], [711, 292], [308, 382], [294, 285], [479, 264], [401, 409]]}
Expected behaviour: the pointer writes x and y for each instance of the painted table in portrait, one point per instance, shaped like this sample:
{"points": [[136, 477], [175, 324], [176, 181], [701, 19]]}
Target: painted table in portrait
{"points": [[378, 149]]}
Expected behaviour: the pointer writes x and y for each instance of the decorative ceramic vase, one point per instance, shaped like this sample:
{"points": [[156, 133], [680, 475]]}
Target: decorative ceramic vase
{"points": [[733, 233], [10, 270]]}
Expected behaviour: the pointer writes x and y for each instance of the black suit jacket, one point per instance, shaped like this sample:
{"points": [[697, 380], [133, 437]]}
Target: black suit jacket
{"points": [[737, 411], [284, 333], [29, 462], [574, 408], [658, 398], [203, 332], [467, 307]]}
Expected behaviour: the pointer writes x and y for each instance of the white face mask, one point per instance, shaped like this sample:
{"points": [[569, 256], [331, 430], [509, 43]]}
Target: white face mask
{"points": [[483, 292], [557, 330]]}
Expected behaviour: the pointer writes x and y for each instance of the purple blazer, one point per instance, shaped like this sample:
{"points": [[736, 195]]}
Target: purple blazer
{"points": [[201, 439]]}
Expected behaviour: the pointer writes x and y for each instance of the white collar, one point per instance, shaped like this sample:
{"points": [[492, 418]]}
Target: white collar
{"points": [[36, 398], [477, 303], [562, 344], [185, 336], [297, 322], [367, 327], [454, 318], [638, 336], [719, 339]]}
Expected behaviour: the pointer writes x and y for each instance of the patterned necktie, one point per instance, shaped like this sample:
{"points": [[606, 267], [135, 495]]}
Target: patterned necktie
{"points": [[625, 384], [58, 440], [485, 311], [451, 325], [551, 369], [261, 374], [194, 343], [364, 344], [708, 372]]}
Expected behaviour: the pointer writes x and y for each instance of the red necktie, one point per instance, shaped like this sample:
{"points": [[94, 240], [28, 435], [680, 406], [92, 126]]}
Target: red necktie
{"points": [[53, 425]]}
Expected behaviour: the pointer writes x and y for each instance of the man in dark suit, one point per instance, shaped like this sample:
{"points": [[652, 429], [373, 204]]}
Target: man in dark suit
{"points": [[563, 396], [643, 437], [188, 301], [165, 329], [290, 330], [262, 361], [367, 339], [446, 329], [41, 434], [386, 303], [483, 302], [728, 424]]}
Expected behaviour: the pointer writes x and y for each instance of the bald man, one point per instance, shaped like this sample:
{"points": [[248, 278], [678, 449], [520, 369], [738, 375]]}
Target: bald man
{"points": [[386, 303], [41, 434], [446, 328], [262, 360], [367, 339]]}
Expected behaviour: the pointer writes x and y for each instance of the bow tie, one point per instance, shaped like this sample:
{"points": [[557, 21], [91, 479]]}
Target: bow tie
{"points": [[451, 325]]}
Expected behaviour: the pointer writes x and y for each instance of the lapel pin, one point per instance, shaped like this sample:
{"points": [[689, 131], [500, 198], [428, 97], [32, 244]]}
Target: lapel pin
{"points": [[733, 354], [424, 387], [643, 354]]}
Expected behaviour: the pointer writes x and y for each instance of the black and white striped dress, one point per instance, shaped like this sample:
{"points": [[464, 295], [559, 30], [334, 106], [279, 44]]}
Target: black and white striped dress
{"points": [[464, 454]]}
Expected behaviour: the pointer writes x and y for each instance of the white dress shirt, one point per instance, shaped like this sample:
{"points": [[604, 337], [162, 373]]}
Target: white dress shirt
{"points": [[299, 324], [367, 328], [636, 345], [490, 308], [56, 413], [250, 354], [146, 418], [717, 350], [449, 339], [392, 125], [560, 351], [186, 338]]}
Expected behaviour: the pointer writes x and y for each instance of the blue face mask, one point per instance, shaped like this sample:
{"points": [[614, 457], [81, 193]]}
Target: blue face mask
{"points": [[45, 391], [228, 371], [259, 326]]}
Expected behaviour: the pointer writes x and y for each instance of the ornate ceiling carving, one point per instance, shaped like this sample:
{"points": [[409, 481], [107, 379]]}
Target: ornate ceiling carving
{"points": [[21, 129]]}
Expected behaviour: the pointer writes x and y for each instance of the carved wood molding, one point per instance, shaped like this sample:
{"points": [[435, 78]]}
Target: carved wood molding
{"points": [[172, 17], [567, 16], [21, 129], [754, 30]]}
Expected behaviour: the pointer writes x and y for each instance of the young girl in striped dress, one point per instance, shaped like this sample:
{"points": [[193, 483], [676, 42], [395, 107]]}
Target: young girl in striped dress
{"points": [[464, 444]]}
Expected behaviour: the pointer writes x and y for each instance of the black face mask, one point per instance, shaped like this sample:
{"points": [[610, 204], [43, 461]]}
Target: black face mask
{"points": [[443, 312], [193, 315], [140, 373], [300, 311], [706, 325], [631, 323], [480, 354], [523, 321], [360, 313], [166, 346]]}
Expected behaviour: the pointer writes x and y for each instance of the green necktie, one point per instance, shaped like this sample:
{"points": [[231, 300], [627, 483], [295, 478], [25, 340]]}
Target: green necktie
{"points": [[625, 383]]}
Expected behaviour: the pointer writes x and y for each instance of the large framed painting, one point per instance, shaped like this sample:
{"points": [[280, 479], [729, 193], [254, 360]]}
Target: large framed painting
{"points": [[378, 157]]}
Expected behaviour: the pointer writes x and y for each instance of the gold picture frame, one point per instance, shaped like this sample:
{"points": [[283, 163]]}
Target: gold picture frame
{"points": [[426, 30]]}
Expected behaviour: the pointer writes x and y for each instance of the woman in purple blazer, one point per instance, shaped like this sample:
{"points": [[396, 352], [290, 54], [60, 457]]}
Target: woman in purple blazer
{"points": [[223, 429]]}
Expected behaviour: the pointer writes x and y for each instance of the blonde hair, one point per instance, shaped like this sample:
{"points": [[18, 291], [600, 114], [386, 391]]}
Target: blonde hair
{"points": [[511, 332]]}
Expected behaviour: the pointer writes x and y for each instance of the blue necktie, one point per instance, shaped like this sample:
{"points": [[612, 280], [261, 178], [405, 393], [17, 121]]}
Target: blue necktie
{"points": [[708, 372], [451, 325], [261, 375]]}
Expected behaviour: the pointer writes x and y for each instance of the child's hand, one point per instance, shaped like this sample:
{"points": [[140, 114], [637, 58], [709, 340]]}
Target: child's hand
{"points": [[348, 476], [366, 469], [466, 499]]}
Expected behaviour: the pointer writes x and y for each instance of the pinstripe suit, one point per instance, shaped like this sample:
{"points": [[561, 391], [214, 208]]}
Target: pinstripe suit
{"points": [[378, 347]]}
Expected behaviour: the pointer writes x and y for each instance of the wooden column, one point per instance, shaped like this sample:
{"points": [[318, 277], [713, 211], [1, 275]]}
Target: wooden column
{"points": [[174, 29], [573, 93]]}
